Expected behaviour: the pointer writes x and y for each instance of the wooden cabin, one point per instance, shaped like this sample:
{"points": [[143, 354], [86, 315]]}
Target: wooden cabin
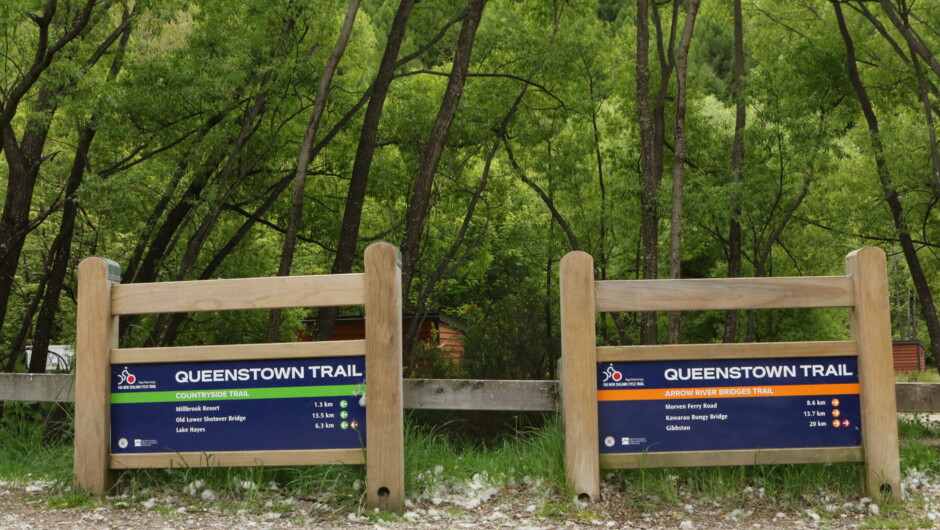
{"points": [[909, 356], [439, 329]]}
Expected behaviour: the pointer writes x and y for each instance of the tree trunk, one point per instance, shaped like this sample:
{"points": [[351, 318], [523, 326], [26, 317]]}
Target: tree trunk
{"points": [[649, 214], [23, 162], [304, 159], [61, 249], [418, 206], [737, 167], [368, 135], [414, 331], [60, 253], [921, 285], [678, 169], [24, 158], [913, 40]]}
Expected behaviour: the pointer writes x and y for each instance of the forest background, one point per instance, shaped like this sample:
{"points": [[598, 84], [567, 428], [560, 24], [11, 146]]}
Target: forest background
{"points": [[684, 138]]}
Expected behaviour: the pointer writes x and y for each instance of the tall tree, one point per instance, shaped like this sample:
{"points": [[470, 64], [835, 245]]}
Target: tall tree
{"points": [[27, 95], [305, 157], [61, 249], [678, 168], [368, 140], [651, 113], [737, 165], [921, 285], [416, 217], [649, 179]]}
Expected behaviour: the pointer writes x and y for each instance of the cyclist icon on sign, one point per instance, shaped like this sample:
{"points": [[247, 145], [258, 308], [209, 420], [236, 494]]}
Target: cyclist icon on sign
{"points": [[612, 373], [127, 377]]}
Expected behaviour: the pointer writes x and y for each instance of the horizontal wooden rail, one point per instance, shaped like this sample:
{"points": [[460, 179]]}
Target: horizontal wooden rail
{"points": [[37, 387], [439, 394], [745, 350], [239, 293], [238, 458], [806, 455], [239, 352], [475, 394], [723, 293], [918, 397]]}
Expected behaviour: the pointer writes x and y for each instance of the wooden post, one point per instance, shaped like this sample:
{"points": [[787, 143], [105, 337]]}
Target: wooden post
{"points": [[385, 433], [871, 329], [96, 333], [579, 374]]}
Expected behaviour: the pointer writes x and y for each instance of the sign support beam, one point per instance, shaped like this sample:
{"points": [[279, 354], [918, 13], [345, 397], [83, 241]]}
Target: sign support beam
{"points": [[385, 433], [96, 334], [871, 329], [578, 380]]}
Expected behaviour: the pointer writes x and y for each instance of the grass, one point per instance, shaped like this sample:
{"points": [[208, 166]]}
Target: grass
{"points": [[789, 486], [920, 443], [930, 375], [24, 454], [532, 458], [525, 464]]}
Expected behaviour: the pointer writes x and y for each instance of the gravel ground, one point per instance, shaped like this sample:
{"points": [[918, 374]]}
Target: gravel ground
{"points": [[474, 505]]}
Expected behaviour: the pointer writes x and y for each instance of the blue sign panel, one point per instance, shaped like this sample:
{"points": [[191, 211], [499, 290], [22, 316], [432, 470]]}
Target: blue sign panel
{"points": [[661, 406], [279, 404]]}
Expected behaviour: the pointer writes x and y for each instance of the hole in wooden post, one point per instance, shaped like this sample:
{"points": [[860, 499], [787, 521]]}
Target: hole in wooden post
{"points": [[383, 492], [584, 497], [886, 490]]}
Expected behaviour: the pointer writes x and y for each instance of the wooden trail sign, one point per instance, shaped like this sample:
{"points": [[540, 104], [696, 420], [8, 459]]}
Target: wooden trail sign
{"points": [[248, 404], [729, 404]]}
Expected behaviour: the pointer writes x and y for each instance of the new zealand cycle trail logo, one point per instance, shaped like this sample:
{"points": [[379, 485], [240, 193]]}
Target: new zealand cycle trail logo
{"points": [[612, 374], [126, 377]]}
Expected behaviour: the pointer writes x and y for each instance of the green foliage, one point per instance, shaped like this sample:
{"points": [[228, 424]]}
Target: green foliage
{"points": [[206, 115], [430, 361], [510, 339]]}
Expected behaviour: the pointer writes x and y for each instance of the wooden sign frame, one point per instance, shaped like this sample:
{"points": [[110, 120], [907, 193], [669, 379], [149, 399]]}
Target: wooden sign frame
{"points": [[864, 290], [102, 300]]}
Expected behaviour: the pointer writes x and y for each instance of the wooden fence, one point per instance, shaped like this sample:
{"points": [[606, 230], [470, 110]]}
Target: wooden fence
{"points": [[863, 290], [437, 394], [102, 300]]}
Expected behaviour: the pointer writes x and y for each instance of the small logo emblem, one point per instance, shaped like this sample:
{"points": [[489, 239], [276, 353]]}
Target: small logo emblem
{"points": [[612, 373], [126, 377], [122, 443], [609, 441]]}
